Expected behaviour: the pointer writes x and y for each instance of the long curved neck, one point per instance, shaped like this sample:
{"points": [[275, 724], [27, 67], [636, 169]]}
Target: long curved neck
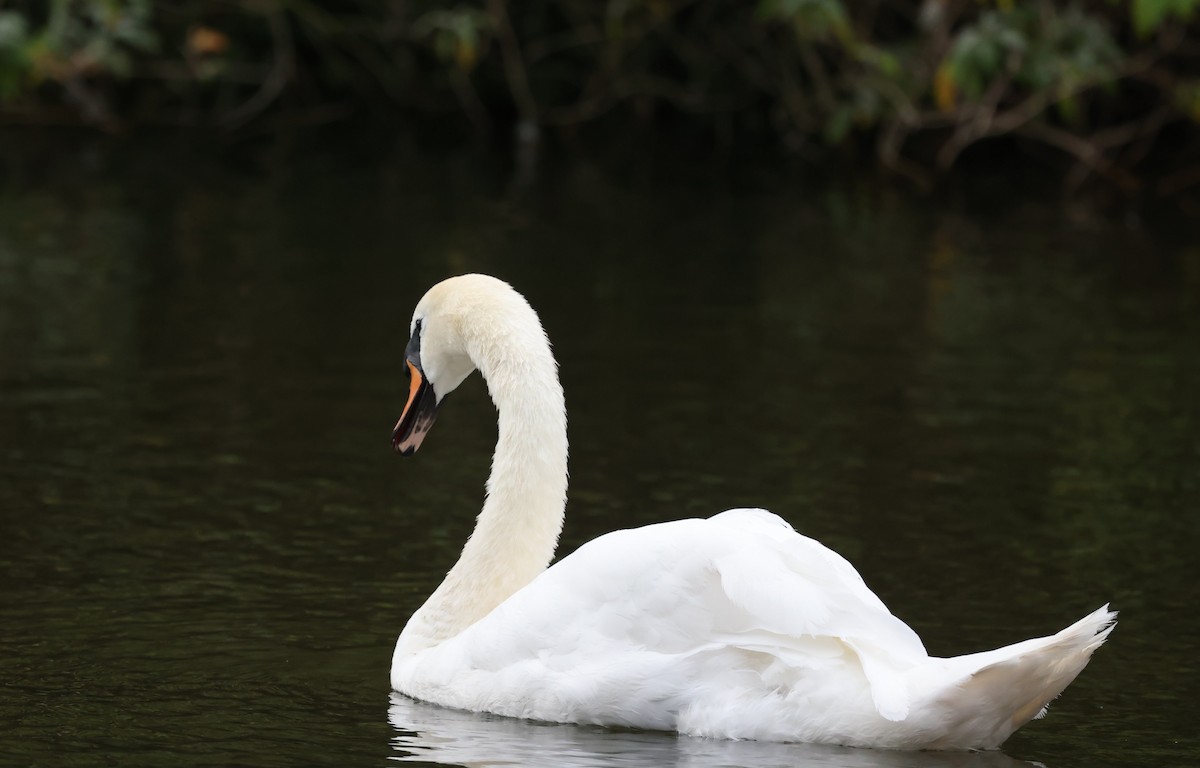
{"points": [[517, 531]]}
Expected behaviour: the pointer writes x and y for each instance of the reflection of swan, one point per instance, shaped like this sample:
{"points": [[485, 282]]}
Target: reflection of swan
{"points": [[431, 734], [735, 626]]}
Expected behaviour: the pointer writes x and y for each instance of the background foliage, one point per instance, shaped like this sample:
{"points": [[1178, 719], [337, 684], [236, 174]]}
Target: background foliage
{"points": [[915, 84]]}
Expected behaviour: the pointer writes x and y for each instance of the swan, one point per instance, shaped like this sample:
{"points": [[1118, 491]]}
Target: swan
{"points": [[734, 626]]}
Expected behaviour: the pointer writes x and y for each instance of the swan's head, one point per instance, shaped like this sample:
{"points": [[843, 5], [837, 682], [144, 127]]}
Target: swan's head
{"points": [[462, 323]]}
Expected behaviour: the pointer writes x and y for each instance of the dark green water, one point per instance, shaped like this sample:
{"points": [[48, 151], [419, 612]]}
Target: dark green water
{"points": [[991, 407]]}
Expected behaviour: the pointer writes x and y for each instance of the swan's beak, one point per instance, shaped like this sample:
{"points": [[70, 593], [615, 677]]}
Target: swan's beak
{"points": [[419, 413]]}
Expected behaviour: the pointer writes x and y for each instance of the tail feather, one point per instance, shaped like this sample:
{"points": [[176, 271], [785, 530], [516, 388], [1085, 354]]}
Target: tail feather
{"points": [[1003, 689]]}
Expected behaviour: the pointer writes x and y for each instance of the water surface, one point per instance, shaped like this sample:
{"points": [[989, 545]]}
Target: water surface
{"points": [[990, 406]]}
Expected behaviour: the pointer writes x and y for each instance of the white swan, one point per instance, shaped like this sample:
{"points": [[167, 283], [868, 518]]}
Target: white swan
{"points": [[735, 626]]}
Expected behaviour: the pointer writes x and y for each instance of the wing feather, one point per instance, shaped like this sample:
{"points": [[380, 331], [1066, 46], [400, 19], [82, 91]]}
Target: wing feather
{"points": [[653, 610]]}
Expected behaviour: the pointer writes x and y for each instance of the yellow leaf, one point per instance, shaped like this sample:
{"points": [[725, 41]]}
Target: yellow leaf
{"points": [[945, 94], [206, 41], [465, 54]]}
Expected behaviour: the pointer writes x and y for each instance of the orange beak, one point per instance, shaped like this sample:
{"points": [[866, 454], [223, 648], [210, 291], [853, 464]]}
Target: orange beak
{"points": [[419, 412]]}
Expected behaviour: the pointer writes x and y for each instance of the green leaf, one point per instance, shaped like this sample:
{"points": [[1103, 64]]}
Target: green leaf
{"points": [[884, 61], [838, 124], [14, 53], [1149, 15], [14, 31], [811, 19], [1187, 99]]}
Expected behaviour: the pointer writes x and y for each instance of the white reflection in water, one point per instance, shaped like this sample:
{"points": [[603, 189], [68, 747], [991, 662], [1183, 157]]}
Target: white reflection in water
{"points": [[431, 734]]}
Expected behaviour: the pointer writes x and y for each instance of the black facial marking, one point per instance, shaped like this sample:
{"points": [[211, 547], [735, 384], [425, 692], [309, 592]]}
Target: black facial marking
{"points": [[413, 350]]}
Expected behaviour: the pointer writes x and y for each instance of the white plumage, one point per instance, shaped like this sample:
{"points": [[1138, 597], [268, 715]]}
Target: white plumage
{"points": [[731, 627]]}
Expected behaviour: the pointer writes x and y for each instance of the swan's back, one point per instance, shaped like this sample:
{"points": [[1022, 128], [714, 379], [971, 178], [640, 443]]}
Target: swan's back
{"points": [[735, 626]]}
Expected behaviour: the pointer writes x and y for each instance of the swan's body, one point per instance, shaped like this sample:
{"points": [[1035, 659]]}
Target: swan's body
{"points": [[735, 626]]}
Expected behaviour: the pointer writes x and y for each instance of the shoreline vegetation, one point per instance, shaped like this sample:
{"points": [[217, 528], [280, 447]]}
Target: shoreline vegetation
{"points": [[1104, 90]]}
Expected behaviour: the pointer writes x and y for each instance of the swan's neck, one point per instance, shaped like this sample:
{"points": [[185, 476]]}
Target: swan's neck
{"points": [[516, 532]]}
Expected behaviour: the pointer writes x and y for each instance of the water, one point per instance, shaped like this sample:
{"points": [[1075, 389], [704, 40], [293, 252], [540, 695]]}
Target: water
{"points": [[990, 406]]}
